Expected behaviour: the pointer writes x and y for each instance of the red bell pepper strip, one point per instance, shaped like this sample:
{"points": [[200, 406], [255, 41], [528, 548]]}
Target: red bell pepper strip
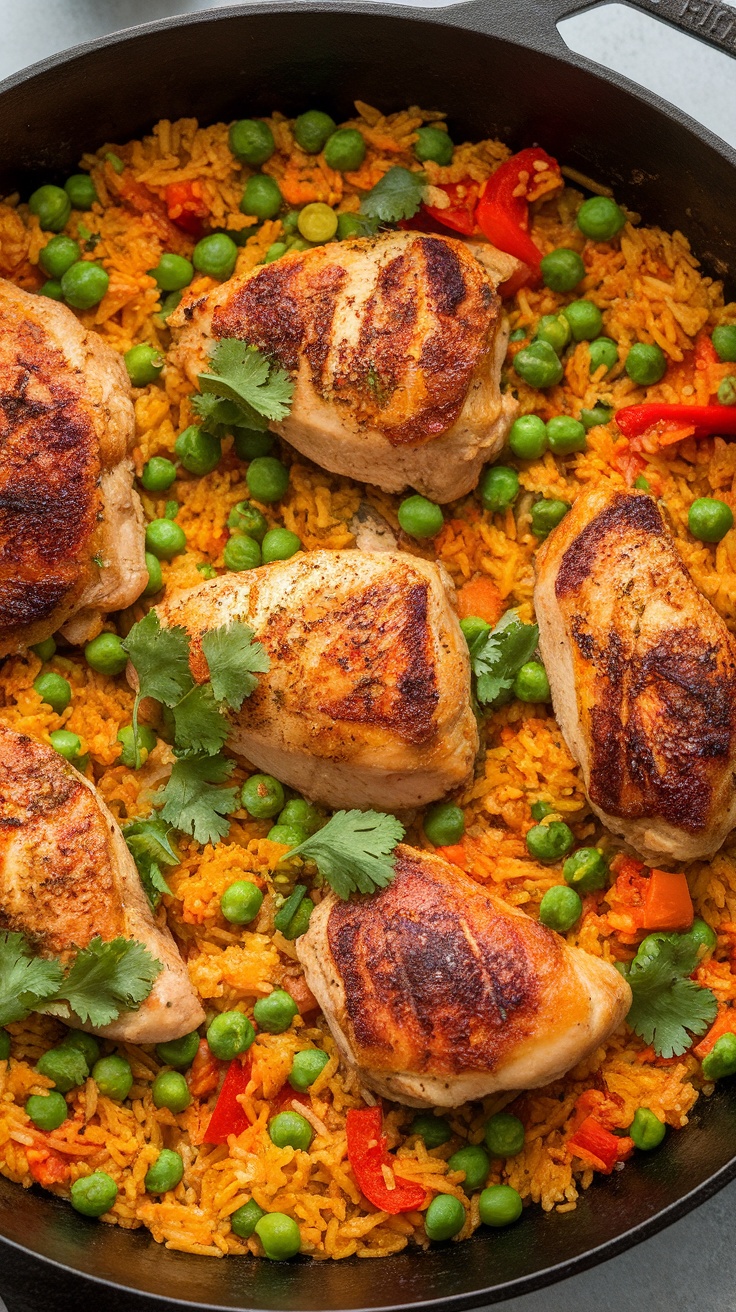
{"points": [[460, 213], [367, 1154], [503, 209], [597, 1146], [633, 420], [229, 1116]]}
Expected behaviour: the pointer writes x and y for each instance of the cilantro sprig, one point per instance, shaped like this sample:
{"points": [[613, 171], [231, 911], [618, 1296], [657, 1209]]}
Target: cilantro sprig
{"points": [[354, 851], [668, 1008], [242, 389], [97, 983], [497, 657], [397, 195], [150, 846]]}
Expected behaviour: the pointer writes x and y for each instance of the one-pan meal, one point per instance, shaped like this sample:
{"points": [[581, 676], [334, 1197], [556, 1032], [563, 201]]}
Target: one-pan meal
{"points": [[368, 693]]}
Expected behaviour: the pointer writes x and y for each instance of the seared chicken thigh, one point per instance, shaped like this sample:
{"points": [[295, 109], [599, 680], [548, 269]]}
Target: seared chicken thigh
{"points": [[66, 876], [395, 345], [643, 676], [439, 992], [367, 701], [71, 525]]}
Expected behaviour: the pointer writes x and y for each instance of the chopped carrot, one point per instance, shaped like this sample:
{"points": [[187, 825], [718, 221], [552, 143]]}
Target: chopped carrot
{"points": [[46, 1166], [455, 853], [594, 1144], [668, 904], [480, 597], [724, 1023], [204, 1074]]}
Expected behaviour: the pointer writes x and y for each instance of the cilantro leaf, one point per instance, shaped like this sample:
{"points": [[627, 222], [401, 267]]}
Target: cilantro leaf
{"points": [[240, 374], [151, 848], [354, 851], [25, 980], [233, 659], [161, 659], [497, 657], [107, 978], [668, 1008], [397, 195], [199, 725], [220, 416], [192, 800]]}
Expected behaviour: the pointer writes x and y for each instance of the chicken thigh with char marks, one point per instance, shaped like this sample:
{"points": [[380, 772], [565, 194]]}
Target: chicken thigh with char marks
{"points": [[367, 700], [71, 524], [643, 676], [66, 876], [439, 992], [395, 344]]}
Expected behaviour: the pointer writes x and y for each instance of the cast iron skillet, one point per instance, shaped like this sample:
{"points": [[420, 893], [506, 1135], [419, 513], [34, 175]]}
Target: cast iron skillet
{"points": [[500, 68]]}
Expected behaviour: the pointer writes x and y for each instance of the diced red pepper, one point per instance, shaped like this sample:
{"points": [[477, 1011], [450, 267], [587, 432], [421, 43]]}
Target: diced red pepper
{"points": [[459, 215], [186, 206], [503, 209], [368, 1154], [598, 1147], [286, 1096], [46, 1166], [705, 420], [229, 1116], [204, 1073]]}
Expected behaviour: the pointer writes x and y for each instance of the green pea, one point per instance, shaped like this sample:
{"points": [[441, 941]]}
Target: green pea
{"points": [[562, 269], [169, 304], [538, 365], [170, 1090], [106, 654], [215, 255], [146, 741], [165, 539], [702, 936], [646, 363], [499, 1205], [275, 1012], [65, 1066], [602, 351], [85, 1043], [302, 813], [279, 1235], [242, 553], [565, 435], [444, 1218], [198, 451], [473, 627], [165, 1173], [67, 744], [229, 1034], [350, 225], [262, 796], [84, 284], [4, 1045], [709, 520], [267, 479], [52, 207], [81, 191], [550, 842], [554, 329], [251, 140], [52, 289], [586, 870], [531, 683], [499, 488], [600, 218], [291, 835], [173, 272], [113, 1077], [317, 222], [249, 520], [420, 518], [312, 129], [585, 320], [528, 437], [299, 244], [155, 575], [444, 824], [345, 150], [724, 342], [280, 544], [262, 197], [504, 1135], [241, 902], [547, 514], [647, 1130], [58, 255], [290, 222], [434, 1130], [144, 364], [158, 474], [250, 444], [727, 391], [518, 334], [244, 1221], [560, 908], [54, 690], [274, 252], [476, 1164], [290, 1130], [47, 1111], [306, 1067], [600, 414], [719, 1062], [93, 1195], [434, 144], [179, 1053]]}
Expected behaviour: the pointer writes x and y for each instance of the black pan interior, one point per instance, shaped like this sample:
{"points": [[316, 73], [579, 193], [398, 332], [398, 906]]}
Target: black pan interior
{"points": [[243, 62]]}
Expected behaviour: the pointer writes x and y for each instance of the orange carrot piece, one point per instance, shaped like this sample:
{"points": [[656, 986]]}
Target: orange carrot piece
{"points": [[668, 904], [724, 1023], [480, 597], [454, 853]]}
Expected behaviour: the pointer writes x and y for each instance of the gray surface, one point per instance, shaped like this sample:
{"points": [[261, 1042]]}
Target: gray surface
{"points": [[692, 1265]]}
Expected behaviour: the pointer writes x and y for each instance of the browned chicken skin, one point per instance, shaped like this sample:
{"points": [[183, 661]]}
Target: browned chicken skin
{"points": [[367, 701], [71, 525], [66, 876], [439, 992], [643, 676], [395, 344]]}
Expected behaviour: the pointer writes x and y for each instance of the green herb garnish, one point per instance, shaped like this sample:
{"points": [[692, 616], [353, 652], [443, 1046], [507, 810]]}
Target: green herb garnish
{"points": [[497, 657], [151, 848], [668, 1007], [243, 389], [397, 195], [354, 851]]}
